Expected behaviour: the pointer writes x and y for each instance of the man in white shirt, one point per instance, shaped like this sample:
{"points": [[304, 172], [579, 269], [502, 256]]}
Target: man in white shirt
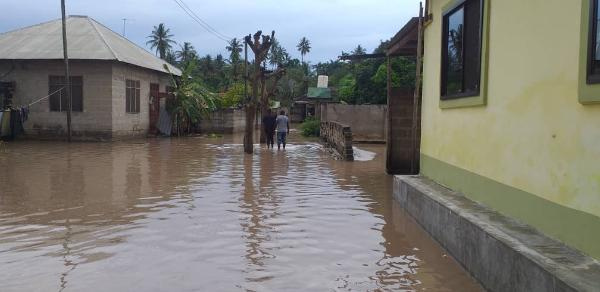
{"points": [[283, 129]]}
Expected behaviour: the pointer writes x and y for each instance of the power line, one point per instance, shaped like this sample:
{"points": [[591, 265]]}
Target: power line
{"points": [[198, 20], [208, 25]]}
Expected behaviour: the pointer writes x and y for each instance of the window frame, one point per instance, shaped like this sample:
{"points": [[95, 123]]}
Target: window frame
{"points": [[591, 77], [135, 99], [52, 86], [467, 101], [444, 58], [588, 93]]}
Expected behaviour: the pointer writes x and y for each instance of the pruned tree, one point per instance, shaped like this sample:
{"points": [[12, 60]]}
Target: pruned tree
{"points": [[260, 45]]}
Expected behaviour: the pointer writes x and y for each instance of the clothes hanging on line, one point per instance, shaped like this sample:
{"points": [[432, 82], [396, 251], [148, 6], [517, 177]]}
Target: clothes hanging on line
{"points": [[5, 124]]}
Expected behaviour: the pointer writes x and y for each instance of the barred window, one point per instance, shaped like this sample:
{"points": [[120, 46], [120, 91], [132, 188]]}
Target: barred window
{"points": [[132, 96], [58, 99]]}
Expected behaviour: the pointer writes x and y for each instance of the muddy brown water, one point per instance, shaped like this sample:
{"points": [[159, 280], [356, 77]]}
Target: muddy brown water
{"points": [[196, 214]]}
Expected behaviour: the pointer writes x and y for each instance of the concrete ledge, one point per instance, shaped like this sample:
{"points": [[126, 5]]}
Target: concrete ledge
{"points": [[503, 254]]}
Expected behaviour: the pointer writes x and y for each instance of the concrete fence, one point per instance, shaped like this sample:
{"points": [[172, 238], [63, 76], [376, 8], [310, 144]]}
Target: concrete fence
{"points": [[223, 121], [368, 122], [339, 137]]}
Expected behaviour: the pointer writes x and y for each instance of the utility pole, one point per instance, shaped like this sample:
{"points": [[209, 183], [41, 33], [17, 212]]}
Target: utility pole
{"points": [[124, 20], [67, 73], [245, 70]]}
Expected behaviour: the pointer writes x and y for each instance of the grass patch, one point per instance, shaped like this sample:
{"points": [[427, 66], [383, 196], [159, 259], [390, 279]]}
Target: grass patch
{"points": [[311, 127]]}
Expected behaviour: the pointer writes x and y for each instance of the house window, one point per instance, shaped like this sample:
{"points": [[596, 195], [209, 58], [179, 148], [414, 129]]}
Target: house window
{"points": [[461, 50], [58, 97], [593, 72], [132, 96]]}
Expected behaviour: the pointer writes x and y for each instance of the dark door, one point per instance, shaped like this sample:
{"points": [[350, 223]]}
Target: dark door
{"points": [[154, 107]]}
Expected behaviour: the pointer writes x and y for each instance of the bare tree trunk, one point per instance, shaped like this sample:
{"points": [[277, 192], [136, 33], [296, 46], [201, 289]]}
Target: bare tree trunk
{"points": [[260, 50], [264, 105], [249, 130]]}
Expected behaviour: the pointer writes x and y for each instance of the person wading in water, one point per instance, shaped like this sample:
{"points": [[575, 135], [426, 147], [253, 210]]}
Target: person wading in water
{"points": [[283, 129], [269, 127]]}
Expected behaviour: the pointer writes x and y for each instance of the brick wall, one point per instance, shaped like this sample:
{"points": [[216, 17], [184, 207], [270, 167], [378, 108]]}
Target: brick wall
{"points": [[339, 137], [400, 152]]}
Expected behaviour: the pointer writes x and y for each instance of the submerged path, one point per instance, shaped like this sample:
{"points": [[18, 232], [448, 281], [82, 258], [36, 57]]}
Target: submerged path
{"points": [[197, 214]]}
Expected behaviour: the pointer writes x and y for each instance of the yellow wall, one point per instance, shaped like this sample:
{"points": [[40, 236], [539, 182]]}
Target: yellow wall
{"points": [[533, 134]]}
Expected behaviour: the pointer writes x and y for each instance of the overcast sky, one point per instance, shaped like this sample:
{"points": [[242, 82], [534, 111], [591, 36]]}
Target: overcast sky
{"points": [[330, 25]]}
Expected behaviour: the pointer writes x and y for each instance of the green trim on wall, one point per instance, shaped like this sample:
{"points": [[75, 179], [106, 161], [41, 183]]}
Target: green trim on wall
{"points": [[481, 99], [588, 93], [575, 228]]}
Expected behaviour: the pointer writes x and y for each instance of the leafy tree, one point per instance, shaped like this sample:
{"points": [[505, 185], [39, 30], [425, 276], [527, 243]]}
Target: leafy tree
{"points": [[191, 102], [234, 96], [186, 54], [359, 50], [303, 47], [346, 88], [160, 39], [403, 73]]}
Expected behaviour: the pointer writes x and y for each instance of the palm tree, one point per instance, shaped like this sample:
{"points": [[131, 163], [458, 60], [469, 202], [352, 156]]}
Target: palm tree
{"points": [[277, 55], [160, 39], [186, 54], [303, 47], [235, 48], [171, 58]]}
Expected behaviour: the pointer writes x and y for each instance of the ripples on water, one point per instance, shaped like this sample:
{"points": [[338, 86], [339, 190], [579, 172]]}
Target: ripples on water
{"points": [[197, 214]]}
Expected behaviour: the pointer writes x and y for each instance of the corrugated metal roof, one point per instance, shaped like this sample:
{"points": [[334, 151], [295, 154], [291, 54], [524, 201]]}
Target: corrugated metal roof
{"points": [[316, 93], [87, 40]]}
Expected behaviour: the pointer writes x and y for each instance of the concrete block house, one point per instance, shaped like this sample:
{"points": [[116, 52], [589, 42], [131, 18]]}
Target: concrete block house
{"points": [[116, 85]]}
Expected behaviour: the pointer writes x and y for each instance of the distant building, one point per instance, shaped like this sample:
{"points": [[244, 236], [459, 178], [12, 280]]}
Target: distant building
{"points": [[308, 105], [116, 85]]}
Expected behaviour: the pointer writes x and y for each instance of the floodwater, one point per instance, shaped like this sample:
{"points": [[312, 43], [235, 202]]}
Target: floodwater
{"points": [[196, 214]]}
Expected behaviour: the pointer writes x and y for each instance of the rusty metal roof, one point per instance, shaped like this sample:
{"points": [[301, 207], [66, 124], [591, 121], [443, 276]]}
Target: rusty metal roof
{"points": [[87, 40]]}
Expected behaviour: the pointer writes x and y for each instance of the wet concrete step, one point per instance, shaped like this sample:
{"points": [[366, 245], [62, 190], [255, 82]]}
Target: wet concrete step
{"points": [[500, 252]]}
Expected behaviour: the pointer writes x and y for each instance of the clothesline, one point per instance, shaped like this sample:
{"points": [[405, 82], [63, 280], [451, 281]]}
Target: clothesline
{"points": [[45, 97]]}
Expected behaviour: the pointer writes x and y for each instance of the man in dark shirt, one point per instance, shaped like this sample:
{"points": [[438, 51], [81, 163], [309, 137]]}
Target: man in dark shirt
{"points": [[268, 122]]}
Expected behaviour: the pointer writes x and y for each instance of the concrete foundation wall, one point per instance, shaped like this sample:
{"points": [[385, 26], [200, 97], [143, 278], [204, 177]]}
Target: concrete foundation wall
{"points": [[502, 253], [368, 122], [32, 82], [338, 137], [133, 124], [224, 121]]}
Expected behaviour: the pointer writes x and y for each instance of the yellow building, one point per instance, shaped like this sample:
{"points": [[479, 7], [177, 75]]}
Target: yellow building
{"points": [[511, 110]]}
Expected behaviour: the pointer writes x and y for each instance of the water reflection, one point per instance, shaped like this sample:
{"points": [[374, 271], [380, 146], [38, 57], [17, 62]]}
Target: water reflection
{"points": [[189, 214]]}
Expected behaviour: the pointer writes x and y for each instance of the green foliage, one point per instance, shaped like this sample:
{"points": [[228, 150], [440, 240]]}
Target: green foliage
{"points": [[303, 47], [191, 102], [160, 39], [311, 127], [357, 82], [403, 73], [346, 88], [233, 97]]}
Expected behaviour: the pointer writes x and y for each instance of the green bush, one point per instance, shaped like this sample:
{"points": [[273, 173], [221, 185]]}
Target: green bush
{"points": [[310, 127]]}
